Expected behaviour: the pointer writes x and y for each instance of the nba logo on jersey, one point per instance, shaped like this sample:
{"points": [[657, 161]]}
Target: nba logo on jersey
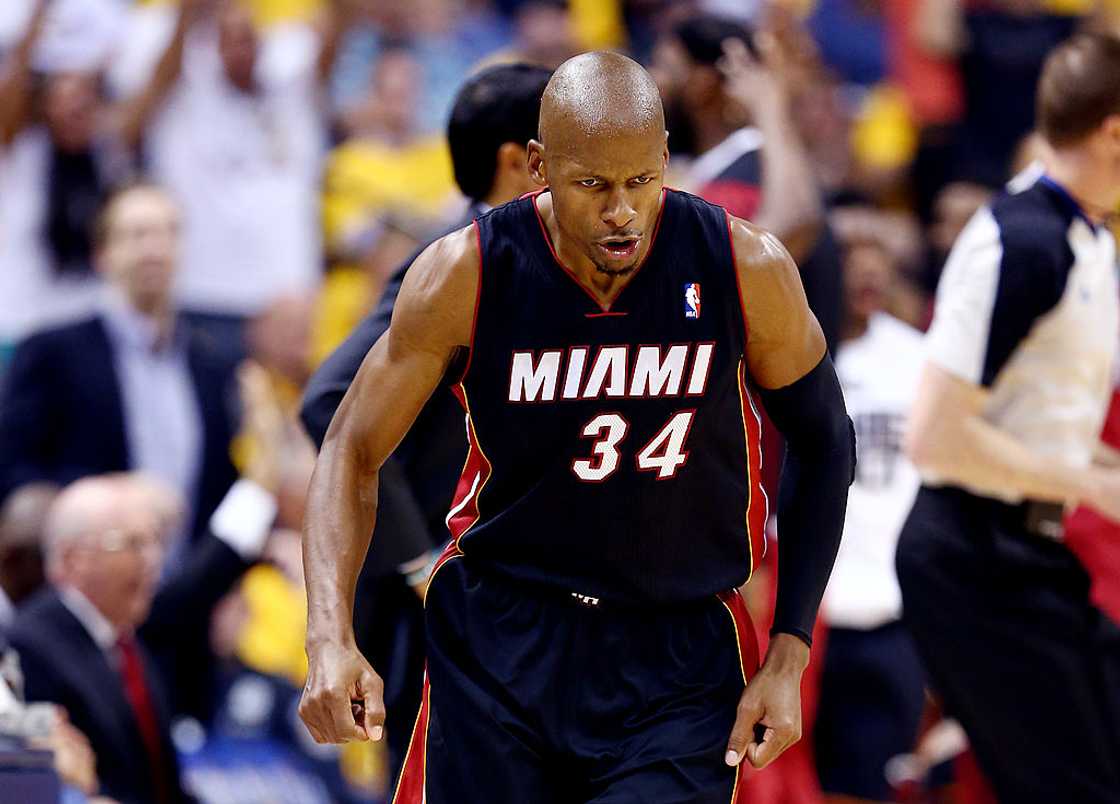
{"points": [[692, 300]]}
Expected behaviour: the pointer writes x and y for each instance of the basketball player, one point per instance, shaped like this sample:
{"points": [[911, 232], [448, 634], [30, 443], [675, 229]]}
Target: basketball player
{"points": [[584, 644], [1009, 411]]}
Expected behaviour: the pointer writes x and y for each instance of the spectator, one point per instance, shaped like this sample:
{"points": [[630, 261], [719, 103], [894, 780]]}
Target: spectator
{"points": [[108, 641], [21, 553], [445, 37], [60, 148], [178, 630], [1000, 46], [387, 175], [238, 136], [872, 683], [544, 33], [159, 394], [77, 642]]}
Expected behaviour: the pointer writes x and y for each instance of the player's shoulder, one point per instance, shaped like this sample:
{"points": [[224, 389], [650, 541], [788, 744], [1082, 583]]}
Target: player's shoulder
{"points": [[454, 249], [448, 267], [757, 251]]}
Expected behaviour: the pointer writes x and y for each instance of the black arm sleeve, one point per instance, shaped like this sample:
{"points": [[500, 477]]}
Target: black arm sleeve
{"points": [[819, 467]]}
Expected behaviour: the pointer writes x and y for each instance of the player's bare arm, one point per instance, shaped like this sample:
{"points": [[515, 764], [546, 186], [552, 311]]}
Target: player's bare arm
{"points": [[948, 436], [431, 323], [786, 359]]}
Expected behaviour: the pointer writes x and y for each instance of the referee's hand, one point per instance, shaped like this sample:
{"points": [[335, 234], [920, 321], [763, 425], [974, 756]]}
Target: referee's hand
{"points": [[768, 720], [342, 700]]}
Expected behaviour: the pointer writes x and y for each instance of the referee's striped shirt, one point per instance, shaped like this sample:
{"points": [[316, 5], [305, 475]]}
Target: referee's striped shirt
{"points": [[1027, 308]]}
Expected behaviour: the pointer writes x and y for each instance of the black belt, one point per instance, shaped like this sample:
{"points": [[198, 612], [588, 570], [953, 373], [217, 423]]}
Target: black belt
{"points": [[1038, 519], [1046, 520]]}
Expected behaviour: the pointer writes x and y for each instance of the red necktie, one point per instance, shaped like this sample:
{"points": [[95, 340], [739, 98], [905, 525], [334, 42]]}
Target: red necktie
{"points": [[139, 697]]}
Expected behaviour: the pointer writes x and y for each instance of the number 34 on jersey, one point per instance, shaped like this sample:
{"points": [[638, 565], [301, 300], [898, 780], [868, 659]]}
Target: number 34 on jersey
{"points": [[679, 370]]}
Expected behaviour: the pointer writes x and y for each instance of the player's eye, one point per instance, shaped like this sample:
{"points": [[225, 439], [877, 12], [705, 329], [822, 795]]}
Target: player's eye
{"points": [[589, 182], [643, 179]]}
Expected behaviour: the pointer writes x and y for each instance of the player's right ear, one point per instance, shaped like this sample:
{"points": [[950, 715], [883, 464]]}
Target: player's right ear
{"points": [[537, 171]]}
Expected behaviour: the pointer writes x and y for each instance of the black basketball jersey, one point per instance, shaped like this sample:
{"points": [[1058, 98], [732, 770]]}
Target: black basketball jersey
{"points": [[614, 453]]}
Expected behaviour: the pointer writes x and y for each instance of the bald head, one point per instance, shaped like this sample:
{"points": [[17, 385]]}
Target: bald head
{"points": [[103, 539], [84, 507], [598, 94]]}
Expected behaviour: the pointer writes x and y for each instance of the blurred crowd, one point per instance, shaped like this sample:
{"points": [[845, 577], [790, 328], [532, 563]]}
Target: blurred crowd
{"points": [[200, 200]]}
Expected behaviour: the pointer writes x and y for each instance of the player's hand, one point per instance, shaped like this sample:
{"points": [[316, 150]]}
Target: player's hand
{"points": [[342, 700], [772, 703]]}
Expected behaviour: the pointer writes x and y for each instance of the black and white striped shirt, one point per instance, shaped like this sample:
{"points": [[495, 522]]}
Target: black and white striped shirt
{"points": [[1027, 308]]}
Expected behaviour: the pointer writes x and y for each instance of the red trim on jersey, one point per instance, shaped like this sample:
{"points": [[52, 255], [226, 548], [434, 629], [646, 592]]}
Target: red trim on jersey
{"points": [[410, 787], [747, 640], [476, 471], [607, 314], [757, 503], [477, 301], [738, 281], [575, 277], [745, 634]]}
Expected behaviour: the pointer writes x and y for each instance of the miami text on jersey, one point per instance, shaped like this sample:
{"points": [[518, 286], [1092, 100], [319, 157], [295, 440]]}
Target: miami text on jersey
{"points": [[654, 371]]}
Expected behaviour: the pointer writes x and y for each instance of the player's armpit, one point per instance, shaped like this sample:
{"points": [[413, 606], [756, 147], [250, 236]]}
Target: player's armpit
{"points": [[784, 340]]}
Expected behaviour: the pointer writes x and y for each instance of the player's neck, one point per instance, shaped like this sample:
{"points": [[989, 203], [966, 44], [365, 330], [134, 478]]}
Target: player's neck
{"points": [[605, 287], [1092, 188]]}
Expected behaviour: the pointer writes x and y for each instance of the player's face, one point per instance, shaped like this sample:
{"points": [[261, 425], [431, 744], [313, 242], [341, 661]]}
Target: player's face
{"points": [[141, 247], [606, 193]]}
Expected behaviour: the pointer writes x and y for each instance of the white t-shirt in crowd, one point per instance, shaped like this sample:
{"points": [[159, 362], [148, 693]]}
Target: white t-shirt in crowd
{"points": [[244, 167], [77, 34], [32, 295], [879, 374]]}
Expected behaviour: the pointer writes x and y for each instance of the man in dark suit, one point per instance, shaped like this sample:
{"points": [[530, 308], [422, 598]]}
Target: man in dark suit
{"points": [[128, 389], [494, 116], [92, 642], [77, 643]]}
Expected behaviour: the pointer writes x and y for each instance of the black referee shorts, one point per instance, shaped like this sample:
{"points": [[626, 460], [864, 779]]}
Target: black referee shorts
{"points": [[1028, 665], [536, 698]]}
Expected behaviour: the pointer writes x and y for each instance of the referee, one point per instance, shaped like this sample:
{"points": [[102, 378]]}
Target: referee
{"points": [[1012, 398]]}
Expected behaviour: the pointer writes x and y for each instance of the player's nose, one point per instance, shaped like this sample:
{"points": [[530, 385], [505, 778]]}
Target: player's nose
{"points": [[618, 212]]}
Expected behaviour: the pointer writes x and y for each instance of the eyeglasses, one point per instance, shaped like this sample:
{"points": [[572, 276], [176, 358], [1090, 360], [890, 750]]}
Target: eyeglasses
{"points": [[133, 541]]}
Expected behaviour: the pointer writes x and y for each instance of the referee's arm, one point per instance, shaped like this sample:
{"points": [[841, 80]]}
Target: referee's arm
{"points": [[994, 288], [947, 437]]}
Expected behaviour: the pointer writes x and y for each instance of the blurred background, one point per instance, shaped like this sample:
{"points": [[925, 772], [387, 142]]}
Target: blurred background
{"points": [[284, 157]]}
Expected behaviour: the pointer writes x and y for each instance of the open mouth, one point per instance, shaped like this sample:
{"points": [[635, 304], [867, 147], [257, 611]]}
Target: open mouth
{"points": [[620, 248]]}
